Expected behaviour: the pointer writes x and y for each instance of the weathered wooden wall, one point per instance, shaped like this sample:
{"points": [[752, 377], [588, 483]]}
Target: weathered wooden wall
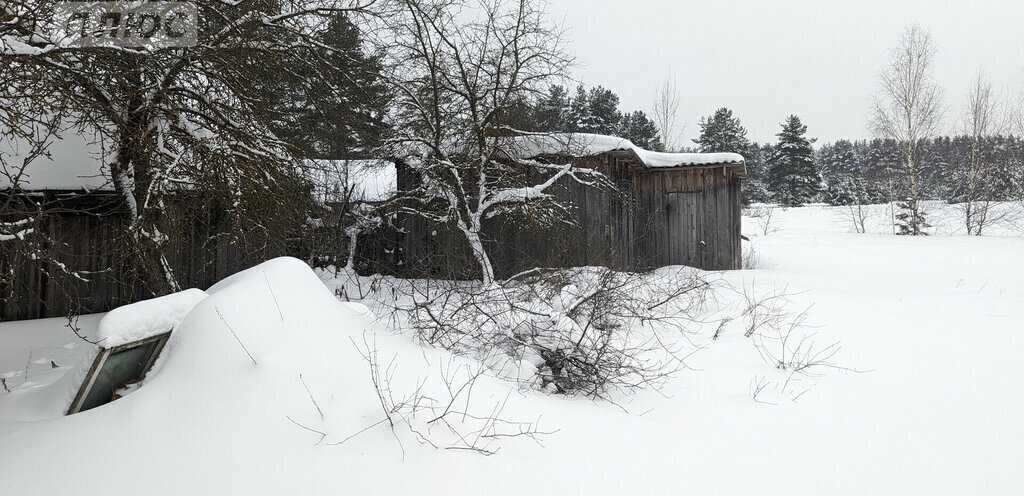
{"points": [[87, 238], [692, 217], [682, 216], [659, 217]]}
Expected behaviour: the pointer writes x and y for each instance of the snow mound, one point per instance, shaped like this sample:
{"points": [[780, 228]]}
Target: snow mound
{"points": [[147, 318], [269, 368]]}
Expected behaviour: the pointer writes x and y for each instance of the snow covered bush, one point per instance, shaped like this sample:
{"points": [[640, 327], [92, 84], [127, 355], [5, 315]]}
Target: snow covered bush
{"points": [[582, 331]]}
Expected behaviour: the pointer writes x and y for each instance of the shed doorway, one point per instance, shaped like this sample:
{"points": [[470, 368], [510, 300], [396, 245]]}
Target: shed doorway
{"points": [[685, 228]]}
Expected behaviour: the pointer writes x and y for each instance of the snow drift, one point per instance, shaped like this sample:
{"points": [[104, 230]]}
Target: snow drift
{"points": [[267, 371]]}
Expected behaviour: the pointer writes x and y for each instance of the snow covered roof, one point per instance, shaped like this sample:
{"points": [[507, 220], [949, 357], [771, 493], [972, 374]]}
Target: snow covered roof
{"points": [[146, 318], [588, 145], [369, 180], [75, 162]]}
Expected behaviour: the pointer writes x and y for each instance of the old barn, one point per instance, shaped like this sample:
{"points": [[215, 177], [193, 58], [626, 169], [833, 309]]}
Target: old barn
{"points": [[668, 209], [665, 209]]}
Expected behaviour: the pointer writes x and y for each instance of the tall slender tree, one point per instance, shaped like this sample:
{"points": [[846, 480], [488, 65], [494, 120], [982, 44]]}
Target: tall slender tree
{"points": [[981, 122], [793, 177], [665, 113], [908, 109]]}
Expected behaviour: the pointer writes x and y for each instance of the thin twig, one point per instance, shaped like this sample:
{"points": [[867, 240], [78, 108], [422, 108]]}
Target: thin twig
{"points": [[235, 335], [279, 312], [310, 393], [322, 435]]}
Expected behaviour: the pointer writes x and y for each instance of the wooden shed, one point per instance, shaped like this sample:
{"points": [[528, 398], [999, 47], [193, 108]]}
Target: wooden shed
{"points": [[82, 227], [670, 209]]}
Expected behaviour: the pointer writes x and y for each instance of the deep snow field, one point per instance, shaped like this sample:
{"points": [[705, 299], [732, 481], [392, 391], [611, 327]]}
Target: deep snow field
{"points": [[924, 395]]}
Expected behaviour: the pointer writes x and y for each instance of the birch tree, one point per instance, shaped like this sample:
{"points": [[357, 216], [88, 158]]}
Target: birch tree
{"points": [[665, 112], [179, 118], [458, 69], [908, 109], [981, 121]]}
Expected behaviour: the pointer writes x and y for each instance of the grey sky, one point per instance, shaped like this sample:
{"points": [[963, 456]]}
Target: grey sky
{"points": [[766, 59]]}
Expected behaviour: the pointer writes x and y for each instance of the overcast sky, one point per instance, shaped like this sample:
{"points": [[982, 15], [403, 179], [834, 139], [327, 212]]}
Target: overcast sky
{"points": [[766, 59]]}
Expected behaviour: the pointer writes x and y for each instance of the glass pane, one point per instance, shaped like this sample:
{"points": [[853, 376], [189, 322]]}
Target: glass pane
{"points": [[121, 367]]}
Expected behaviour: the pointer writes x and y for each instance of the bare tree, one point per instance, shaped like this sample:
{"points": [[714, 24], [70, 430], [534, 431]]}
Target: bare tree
{"points": [[666, 114], [857, 215], [1016, 111], [909, 109], [981, 121], [25, 243], [459, 70], [180, 119], [763, 215]]}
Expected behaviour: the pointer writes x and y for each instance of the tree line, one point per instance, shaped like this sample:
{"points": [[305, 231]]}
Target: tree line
{"points": [[791, 172]]}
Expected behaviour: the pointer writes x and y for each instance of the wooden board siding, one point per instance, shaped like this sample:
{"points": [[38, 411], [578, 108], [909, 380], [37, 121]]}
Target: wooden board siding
{"points": [[659, 217], [680, 216], [91, 244]]}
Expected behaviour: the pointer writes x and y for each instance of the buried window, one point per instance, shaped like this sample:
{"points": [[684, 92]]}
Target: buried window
{"points": [[116, 368]]}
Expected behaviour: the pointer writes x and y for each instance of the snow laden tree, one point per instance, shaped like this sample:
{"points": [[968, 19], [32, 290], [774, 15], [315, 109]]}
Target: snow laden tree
{"points": [[594, 111], [908, 109], [180, 120], [581, 117], [640, 130], [28, 128], [755, 186], [842, 169], [551, 112], [793, 177], [722, 133], [605, 116], [458, 69], [590, 111]]}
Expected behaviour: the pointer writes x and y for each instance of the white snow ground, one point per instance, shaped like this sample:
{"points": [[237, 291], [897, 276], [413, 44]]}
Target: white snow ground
{"points": [[934, 322]]}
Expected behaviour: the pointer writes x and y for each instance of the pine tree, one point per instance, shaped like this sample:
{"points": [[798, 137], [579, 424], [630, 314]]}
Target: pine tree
{"points": [[793, 177], [722, 133], [604, 110], [754, 188], [839, 166], [344, 120], [641, 130], [581, 119], [552, 112]]}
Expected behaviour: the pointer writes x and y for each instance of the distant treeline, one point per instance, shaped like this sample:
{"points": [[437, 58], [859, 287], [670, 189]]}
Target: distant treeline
{"points": [[869, 171]]}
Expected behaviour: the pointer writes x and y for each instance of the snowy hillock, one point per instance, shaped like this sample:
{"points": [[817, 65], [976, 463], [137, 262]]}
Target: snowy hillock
{"points": [[272, 365]]}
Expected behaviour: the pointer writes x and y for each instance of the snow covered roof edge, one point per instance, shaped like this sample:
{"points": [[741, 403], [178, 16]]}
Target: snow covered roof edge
{"points": [[588, 145]]}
